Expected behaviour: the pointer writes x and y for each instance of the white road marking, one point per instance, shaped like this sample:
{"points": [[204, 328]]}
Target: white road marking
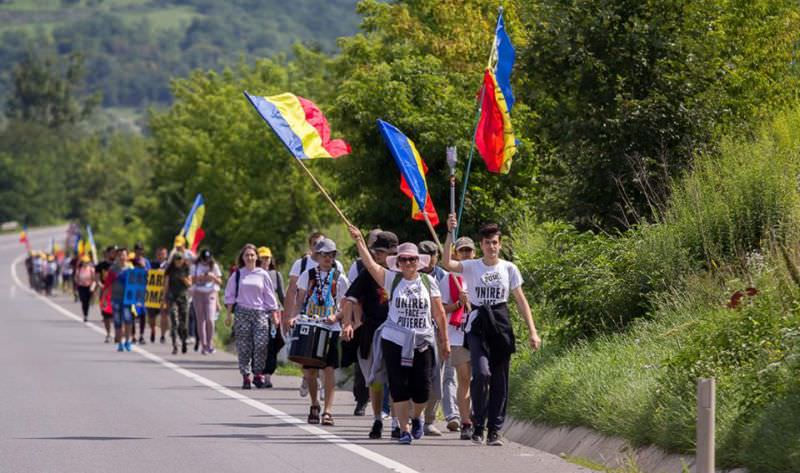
{"points": [[278, 414]]}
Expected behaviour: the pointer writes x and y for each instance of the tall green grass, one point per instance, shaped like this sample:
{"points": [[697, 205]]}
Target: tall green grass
{"points": [[632, 320]]}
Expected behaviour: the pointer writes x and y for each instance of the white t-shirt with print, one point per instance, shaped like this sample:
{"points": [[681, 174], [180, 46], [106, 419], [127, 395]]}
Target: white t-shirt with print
{"points": [[341, 288], [489, 285], [410, 306], [310, 263], [454, 334], [202, 269]]}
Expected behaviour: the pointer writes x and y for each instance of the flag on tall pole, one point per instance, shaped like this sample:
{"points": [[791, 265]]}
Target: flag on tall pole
{"points": [[494, 135], [193, 227], [300, 125], [92, 246], [304, 130], [412, 172]]}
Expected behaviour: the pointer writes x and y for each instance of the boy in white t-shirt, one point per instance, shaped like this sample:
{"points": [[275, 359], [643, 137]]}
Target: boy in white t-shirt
{"points": [[490, 281]]}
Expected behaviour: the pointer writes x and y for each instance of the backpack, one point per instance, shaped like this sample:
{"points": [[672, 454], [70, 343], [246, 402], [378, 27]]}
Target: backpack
{"points": [[426, 281]]}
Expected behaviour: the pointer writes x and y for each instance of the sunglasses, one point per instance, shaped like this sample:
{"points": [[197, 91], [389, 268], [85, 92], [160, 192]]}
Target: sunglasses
{"points": [[465, 250], [407, 259], [329, 254]]}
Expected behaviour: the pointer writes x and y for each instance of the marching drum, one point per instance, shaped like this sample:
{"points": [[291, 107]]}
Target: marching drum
{"points": [[310, 344]]}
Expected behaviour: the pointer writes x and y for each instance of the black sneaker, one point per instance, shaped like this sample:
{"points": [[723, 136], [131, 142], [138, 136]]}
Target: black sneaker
{"points": [[377, 430], [85, 318], [163, 339], [466, 431], [396, 432], [153, 337], [361, 409], [495, 439], [477, 435], [183, 347], [246, 383], [141, 341]]}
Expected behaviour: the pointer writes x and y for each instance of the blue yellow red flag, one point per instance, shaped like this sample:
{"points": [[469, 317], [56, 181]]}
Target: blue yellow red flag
{"points": [[92, 246], [192, 229], [412, 172], [494, 136], [300, 125]]}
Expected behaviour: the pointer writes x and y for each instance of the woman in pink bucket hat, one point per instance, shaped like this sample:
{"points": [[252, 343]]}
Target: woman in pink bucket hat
{"points": [[405, 345]]}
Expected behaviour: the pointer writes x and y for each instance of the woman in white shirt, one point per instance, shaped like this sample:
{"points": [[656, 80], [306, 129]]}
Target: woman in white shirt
{"points": [[407, 336], [206, 280]]}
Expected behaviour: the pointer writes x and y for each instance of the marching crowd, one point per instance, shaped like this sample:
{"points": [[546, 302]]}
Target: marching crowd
{"points": [[423, 328]]}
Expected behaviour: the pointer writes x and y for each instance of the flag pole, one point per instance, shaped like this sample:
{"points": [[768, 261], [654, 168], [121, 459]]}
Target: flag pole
{"points": [[474, 135], [324, 192], [430, 227]]}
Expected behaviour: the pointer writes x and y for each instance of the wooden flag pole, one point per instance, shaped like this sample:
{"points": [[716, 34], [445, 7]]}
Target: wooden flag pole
{"points": [[433, 232], [324, 192]]}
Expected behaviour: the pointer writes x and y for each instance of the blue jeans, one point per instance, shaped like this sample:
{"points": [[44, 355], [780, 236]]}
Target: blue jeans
{"points": [[122, 313]]}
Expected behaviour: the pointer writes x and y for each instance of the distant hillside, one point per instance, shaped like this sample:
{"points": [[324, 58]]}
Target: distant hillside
{"points": [[133, 47]]}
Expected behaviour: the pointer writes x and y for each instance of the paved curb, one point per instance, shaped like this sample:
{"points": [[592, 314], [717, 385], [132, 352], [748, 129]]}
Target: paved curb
{"points": [[613, 452]]}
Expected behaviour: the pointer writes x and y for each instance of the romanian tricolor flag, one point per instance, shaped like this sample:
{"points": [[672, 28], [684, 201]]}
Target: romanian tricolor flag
{"points": [[90, 242], [192, 228], [412, 172], [300, 125], [494, 136]]}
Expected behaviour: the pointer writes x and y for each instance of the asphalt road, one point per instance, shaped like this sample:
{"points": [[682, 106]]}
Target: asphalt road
{"points": [[71, 403]]}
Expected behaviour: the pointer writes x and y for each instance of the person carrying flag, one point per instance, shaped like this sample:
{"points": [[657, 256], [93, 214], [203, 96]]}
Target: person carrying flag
{"points": [[490, 282], [405, 343]]}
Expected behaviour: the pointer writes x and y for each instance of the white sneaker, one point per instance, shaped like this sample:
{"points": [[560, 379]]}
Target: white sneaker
{"points": [[431, 430], [303, 388]]}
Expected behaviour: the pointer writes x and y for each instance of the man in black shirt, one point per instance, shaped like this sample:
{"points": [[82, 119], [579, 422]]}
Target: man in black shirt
{"points": [[366, 294]]}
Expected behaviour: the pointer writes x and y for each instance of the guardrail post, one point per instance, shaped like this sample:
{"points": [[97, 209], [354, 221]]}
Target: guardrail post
{"points": [[706, 407]]}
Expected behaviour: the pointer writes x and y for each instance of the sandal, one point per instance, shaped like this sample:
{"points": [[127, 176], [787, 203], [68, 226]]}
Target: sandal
{"points": [[313, 415], [327, 418]]}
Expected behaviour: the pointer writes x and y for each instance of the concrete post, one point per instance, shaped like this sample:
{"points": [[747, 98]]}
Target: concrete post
{"points": [[706, 406]]}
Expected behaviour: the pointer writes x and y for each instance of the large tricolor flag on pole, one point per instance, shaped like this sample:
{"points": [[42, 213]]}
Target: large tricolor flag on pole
{"points": [[494, 136], [192, 229], [412, 172], [300, 125]]}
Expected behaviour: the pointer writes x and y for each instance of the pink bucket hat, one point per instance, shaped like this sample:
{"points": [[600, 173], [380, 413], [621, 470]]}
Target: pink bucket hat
{"points": [[407, 249]]}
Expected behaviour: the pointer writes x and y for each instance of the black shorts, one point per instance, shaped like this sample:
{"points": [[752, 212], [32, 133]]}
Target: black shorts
{"points": [[152, 312], [332, 360], [408, 382]]}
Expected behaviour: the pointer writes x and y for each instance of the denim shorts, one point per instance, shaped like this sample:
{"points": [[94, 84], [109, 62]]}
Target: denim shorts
{"points": [[122, 313]]}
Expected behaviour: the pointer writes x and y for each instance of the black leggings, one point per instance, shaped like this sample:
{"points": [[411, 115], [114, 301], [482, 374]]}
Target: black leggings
{"points": [[85, 295], [408, 382]]}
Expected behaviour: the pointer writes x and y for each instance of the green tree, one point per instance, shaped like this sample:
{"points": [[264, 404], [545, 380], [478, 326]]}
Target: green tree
{"points": [[46, 90], [419, 65], [628, 92], [212, 141]]}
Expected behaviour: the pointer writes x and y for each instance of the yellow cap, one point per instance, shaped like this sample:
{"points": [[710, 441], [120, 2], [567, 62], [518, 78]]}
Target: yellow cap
{"points": [[180, 240], [264, 252], [85, 259]]}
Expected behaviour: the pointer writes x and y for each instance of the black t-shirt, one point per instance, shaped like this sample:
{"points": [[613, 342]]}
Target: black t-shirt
{"points": [[177, 285], [375, 304]]}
